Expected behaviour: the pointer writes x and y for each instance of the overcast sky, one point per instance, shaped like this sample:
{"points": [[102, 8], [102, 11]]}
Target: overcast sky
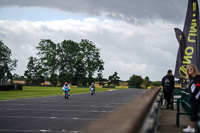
{"points": [[135, 36]]}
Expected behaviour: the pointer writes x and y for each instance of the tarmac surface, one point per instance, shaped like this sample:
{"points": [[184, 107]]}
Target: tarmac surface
{"points": [[59, 115], [167, 121]]}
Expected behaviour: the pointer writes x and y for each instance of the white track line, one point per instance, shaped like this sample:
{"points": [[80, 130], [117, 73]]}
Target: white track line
{"points": [[41, 130], [31, 117], [56, 110]]}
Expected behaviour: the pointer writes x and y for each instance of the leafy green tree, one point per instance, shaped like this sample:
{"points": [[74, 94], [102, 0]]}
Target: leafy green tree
{"points": [[69, 61], [6, 63], [90, 58], [34, 72], [156, 83], [49, 59], [100, 78], [78, 62], [135, 80], [100, 75], [53, 79], [146, 82], [29, 72], [113, 79], [80, 74], [15, 76]]}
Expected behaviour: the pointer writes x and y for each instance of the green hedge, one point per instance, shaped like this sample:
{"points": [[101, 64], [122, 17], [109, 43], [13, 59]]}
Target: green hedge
{"points": [[83, 86], [108, 87], [131, 87]]}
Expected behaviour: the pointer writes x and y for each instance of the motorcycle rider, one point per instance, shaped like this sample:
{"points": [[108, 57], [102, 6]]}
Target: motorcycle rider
{"points": [[66, 86], [92, 86]]}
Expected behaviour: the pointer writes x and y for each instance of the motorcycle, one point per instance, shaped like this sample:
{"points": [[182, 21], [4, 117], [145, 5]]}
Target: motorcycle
{"points": [[92, 91], [66, 93]]}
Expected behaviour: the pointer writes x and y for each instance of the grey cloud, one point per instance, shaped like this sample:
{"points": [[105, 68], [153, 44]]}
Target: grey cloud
{"points": [[2, 36], [128, 10], [125, 48]]}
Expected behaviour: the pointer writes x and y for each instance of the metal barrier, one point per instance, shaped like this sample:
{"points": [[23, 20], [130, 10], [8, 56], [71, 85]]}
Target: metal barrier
{"points": [[175, 95], [151, 122], [139, 115], [185, 101], [11, 87]]}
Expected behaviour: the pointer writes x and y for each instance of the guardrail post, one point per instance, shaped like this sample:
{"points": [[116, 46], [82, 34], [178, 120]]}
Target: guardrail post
{"points": [[198, 126], [178, 111]]}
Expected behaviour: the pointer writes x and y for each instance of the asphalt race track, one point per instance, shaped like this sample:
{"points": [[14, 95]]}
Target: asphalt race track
{"points": [[55, 114]]}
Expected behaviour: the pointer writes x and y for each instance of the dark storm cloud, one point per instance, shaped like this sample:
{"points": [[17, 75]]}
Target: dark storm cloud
{"points": [[128, 10]]}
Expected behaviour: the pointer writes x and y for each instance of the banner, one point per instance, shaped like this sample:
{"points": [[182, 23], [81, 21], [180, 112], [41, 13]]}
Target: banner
{"points": [[188, 52], [182, 45], [179, 34]]}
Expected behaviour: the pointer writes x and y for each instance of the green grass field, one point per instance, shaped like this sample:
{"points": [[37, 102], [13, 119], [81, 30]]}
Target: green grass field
{"points": [[35, 91]]}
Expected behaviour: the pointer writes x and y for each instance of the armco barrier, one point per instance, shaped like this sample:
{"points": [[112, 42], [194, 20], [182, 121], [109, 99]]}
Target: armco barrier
{"points": [[99, 86], [136, 116], [121, 87], [83, 86], [108, 86], [74, 86]]}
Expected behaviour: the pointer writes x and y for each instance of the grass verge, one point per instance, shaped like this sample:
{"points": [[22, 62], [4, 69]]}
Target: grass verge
{"points": [[38, 91]]}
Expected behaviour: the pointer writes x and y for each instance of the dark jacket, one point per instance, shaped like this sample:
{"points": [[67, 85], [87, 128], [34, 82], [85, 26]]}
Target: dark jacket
{"points": [[194, 89], [168, 83]]}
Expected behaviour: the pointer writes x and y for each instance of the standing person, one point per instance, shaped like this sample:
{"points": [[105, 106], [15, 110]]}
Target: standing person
{"points": [[168, 87], [194, 95]]}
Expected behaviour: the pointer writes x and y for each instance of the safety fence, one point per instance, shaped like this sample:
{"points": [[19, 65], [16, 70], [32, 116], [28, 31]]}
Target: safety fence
{"points": [[184, 102], [122, 87], [11, 87], [139, 115]]}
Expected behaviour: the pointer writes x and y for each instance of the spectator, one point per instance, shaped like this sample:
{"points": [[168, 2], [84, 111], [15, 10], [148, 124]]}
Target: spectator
{"points": [[168, 87], [194, 95]]}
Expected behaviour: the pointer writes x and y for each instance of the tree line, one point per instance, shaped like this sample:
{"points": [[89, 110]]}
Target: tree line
{"points": [[66, 61]]}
